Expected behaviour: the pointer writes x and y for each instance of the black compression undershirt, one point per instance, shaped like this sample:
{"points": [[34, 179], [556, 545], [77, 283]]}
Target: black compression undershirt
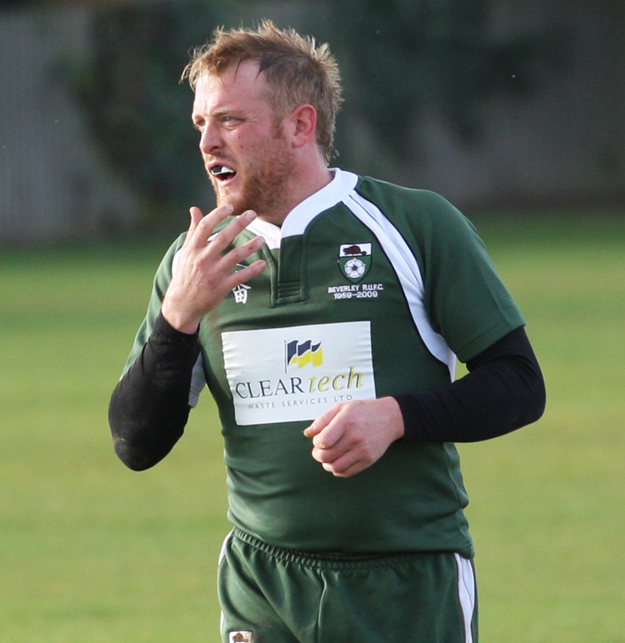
{"points": [[503, 391], [150, 405]]}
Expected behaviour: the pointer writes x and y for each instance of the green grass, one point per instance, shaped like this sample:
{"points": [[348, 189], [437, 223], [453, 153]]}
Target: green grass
{"points": [[547, 511], [90, 551]]}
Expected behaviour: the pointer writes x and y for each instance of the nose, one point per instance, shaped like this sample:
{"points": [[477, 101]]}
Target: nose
{"points": [[210, 139]]}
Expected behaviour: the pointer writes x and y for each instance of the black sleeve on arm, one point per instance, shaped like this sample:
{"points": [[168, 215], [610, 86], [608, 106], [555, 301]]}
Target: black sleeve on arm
{"points": [[149, 407], [503, 391]]}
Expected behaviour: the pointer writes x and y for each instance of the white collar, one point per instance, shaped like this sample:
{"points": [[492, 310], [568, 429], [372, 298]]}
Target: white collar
{"points": [[302, 214]]}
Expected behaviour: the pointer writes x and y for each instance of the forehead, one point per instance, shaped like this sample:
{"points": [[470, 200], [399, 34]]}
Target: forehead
{"points": [[238, 87]]}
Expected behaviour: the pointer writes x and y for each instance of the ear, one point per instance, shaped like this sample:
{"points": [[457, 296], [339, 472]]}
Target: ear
{"points": [[303, 121]]}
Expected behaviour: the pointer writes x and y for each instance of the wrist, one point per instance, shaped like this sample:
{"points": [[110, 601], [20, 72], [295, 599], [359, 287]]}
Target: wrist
{"points": [[164, 330], [395, 417], [186, 325]]}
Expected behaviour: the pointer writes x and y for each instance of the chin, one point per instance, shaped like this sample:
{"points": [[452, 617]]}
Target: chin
{"points": [[239, 208]]}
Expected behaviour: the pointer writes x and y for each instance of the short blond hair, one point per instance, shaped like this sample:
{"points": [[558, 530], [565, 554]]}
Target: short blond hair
{"points": [[297, 71]]}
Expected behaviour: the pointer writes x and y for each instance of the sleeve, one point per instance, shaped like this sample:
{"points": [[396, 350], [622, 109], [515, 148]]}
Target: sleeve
{"points": [[161, 380], [149, 407], [503, 391], [468, 305], [465, 299]]}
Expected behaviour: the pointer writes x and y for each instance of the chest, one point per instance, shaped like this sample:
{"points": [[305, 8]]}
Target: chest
{"points": [[326, 322], [336, 272]]}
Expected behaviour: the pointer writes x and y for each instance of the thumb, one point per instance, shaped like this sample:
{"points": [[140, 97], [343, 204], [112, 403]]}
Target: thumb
{"points": [[322, 421], [313, 429]]}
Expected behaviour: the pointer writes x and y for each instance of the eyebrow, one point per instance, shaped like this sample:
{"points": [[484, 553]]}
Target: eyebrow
{"points": [[226, 111]]}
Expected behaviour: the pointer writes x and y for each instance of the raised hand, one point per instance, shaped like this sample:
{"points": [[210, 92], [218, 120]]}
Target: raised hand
{"points": [[203, 277]]}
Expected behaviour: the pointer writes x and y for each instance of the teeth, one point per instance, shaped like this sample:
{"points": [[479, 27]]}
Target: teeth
{"points": [[221, 170]]}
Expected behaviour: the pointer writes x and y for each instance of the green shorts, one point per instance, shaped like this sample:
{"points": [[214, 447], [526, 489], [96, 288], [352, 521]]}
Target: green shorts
{"points": [[273, 595]]}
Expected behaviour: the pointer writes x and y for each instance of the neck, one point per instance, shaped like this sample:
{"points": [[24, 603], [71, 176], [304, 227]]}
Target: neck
{"points": [[301, 185]]}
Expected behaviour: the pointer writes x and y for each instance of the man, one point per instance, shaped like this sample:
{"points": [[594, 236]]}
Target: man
{"points": [[325, 310]]}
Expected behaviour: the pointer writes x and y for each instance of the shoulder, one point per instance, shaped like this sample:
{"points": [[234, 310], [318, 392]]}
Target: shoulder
{"points": [[166, 267], [419, 214], [397, 201], [379, 190]]}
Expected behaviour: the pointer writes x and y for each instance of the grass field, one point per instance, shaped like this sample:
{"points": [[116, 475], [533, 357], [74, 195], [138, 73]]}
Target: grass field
{"points": [[91, 552]]}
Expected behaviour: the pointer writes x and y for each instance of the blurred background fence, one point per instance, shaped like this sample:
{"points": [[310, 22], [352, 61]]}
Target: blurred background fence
{"points": [[496, 104]]}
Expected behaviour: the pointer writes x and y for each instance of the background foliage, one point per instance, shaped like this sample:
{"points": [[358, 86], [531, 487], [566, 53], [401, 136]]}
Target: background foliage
{"points": [[141, 116]]}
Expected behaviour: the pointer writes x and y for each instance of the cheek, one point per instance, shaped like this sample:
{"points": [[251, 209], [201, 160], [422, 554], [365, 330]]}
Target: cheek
{"points": [[239, 145]]}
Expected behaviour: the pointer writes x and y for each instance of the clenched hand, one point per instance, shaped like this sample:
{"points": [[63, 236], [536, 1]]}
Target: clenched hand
{"points": [[351, 436]]}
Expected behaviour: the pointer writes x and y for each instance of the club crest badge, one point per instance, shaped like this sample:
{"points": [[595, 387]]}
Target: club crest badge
{"points": [[241, 637], [355, 260]]}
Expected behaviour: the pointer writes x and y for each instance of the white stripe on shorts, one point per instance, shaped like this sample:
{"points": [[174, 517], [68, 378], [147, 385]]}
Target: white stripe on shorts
{"points": [[466, 593], [222, 555]]}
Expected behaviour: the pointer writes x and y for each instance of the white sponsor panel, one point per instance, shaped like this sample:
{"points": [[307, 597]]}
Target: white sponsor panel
{"points": [[294, 374]]}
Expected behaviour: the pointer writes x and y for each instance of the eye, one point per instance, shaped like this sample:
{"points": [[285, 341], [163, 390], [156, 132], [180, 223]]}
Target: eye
{"points": [[229, 121], [199, 124]]}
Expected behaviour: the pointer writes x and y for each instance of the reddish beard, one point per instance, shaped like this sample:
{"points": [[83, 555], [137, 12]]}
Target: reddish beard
{"points": [[266, 175]]}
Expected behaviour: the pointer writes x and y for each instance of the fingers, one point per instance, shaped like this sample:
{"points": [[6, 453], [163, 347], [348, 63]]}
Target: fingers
{"points": [[201, 227], [329, 436], [204, 277], [241, 276], [196, 217], [329, 448], [352, 436], [201, 230], [235, 256], [338, 470], [227, 235], [321, 423], [195, 239], [348, 463], [334, 453]]}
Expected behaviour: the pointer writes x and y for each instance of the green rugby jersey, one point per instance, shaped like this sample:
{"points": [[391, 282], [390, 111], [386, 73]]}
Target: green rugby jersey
{"points": [[370, 290]]}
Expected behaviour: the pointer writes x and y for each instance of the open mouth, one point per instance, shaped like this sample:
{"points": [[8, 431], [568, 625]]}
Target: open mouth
{"points": [[222, 173]]}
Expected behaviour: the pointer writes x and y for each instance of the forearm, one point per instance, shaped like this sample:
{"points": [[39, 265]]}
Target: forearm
{"points": [[150, 405], [503, 391]]}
